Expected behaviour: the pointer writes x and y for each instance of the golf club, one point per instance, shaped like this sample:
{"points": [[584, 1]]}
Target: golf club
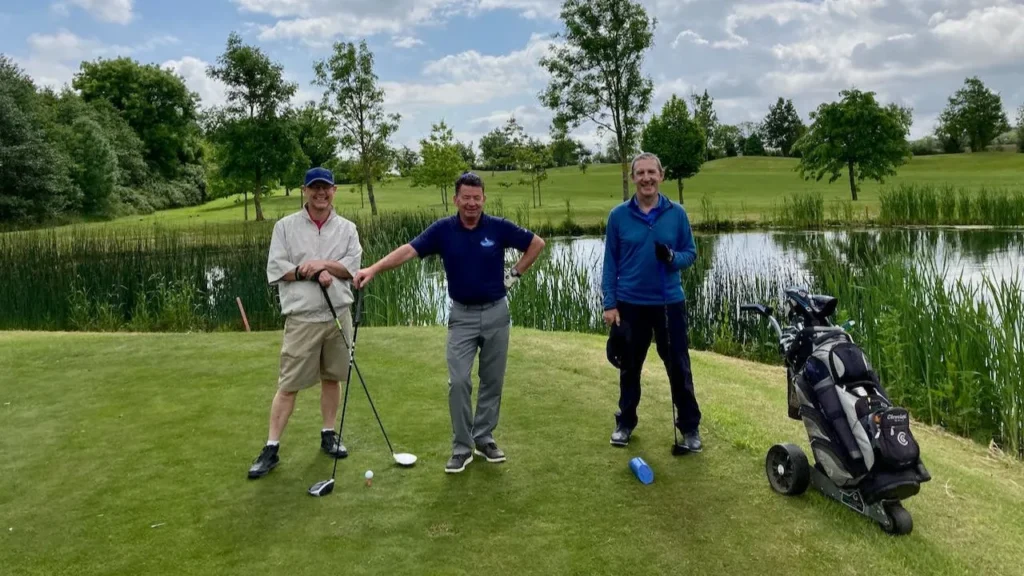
{"points": [[325, 487], [402, 459]]}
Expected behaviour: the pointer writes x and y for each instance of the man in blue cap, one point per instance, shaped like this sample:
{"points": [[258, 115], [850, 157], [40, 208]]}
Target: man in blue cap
{"points": [[472, 246], [648, 243], [311, 248]]}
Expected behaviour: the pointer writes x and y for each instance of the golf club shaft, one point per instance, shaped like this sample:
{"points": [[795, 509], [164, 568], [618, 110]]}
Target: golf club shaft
{"points": [[381, 424], [351, 362]]}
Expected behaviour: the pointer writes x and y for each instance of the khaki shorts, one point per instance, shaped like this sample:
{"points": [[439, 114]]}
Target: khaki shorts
{"points": [[314, 351]]}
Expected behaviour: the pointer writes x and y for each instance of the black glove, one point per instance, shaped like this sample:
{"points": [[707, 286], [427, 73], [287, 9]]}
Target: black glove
{"points": [[663, 252]]}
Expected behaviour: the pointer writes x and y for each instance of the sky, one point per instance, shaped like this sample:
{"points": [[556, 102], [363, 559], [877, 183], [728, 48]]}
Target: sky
{"points": [[473, 63]]}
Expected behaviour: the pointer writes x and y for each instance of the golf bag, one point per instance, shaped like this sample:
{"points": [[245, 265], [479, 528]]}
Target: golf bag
{"points": [[865, 454], [857, 436]]}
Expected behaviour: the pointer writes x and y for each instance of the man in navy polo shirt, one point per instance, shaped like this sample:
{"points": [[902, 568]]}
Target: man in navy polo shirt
{"points": [[472, 246]]}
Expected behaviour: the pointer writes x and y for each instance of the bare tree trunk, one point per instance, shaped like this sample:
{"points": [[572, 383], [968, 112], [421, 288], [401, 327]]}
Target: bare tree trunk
{"points": [[369, 192], [853, 183], [680, 182], [540, 202], [625, 180], [245, 201], [256, 198]]}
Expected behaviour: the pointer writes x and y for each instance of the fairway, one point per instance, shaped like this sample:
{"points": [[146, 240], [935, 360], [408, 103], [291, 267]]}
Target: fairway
{"points": [[736, 188], [127, 454]]}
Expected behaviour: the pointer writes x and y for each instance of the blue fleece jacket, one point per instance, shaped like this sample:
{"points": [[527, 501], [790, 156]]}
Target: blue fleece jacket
{"points": [[632, 271]]}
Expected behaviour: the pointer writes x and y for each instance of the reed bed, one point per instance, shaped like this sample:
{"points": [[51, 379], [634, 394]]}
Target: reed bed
{"points": [[926, 204]]}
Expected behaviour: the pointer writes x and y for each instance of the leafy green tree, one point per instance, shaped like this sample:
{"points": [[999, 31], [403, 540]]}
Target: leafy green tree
{"points": [[677, 140], [95, 165], [406, 160], [442, 162], [154, 101], [973, 116], [495, 150], [565, 151], [357, 102], [856, 134], [35, 180], [782, 126], [257, 139], [706, 117], [1020, 128], [597, 74], [728, 140], [754, 146], [533, 158]]}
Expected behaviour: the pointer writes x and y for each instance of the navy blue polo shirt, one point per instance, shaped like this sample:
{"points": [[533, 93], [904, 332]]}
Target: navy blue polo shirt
{"points": [[474, 260]]}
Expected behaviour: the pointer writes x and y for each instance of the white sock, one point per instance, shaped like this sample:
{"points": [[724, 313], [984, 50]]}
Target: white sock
{"points": [[273, 442], [327, 430]]}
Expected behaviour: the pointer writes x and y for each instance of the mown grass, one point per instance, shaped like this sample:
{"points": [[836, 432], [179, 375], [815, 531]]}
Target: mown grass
{"points": [[744, 190], [136, 464]]}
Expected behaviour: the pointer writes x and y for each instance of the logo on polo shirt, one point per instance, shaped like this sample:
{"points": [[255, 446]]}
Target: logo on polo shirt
{"points": [[487, 242]]}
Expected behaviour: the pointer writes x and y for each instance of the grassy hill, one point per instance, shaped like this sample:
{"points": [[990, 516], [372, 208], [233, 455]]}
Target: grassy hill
{"points": [[737, 188], [126, 454]]}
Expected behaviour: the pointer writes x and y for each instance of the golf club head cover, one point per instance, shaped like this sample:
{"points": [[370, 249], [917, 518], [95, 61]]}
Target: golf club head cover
{"points": [[663, 252]]}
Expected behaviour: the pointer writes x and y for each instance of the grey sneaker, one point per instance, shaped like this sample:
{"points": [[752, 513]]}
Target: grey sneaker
{"points": [[491, 452], [265, 462], [330, 443], [621, 436], [457, 463]]}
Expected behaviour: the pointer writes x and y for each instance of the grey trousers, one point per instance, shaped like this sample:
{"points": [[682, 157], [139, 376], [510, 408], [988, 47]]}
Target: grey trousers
{"points": [[471, 329]]}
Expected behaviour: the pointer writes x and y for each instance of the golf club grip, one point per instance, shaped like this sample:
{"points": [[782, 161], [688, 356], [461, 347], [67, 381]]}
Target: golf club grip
{"points": [[358, 306], [323, 290]]}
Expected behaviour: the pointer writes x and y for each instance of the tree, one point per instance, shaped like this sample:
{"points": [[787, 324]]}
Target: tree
{"points": [[754, 146], [467, 153], [597, 74], [95, 165], [564, 150], [677, 140], [256, 138], [34, 174], [406, 160], [782, 126], [706, 117], [495, 150], [533, 158], [858, 134], [1020, 128], [584, 157], [155, 102], [728, 139], [442, 161], [357, 103], [316, 131], [974, 115]]}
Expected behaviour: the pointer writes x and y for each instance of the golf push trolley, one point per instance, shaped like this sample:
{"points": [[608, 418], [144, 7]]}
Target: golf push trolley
{"points": [[865, 455]]}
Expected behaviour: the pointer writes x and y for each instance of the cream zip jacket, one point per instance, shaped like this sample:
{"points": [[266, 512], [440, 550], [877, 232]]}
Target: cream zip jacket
{"points": [[296, 240]]}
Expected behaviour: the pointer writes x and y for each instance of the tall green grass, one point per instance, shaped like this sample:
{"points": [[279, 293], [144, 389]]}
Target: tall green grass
{"points": [[924, 204]]}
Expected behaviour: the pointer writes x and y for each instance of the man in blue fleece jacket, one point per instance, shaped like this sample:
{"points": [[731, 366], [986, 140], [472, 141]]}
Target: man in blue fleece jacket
{"points": [[648, 242]]}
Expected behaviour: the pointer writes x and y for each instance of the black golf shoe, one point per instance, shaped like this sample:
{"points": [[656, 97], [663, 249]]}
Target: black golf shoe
{"points": [[691, 443], [621, 436], [330, 443], [457, 463], [265, 462], [491, 452]]}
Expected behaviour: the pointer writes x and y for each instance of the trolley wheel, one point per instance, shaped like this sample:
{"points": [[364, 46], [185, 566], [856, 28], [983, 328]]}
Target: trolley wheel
{"points": [[787, 469]]}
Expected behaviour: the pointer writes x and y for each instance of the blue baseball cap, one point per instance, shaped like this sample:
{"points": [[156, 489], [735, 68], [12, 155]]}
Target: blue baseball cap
{"points": [[319, 175]]}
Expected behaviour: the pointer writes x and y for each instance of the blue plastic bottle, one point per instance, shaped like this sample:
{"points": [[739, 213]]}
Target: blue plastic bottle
{"points": [[641, 470]]}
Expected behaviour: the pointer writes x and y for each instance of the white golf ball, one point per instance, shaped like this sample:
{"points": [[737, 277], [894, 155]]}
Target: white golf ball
{"points": [[369, 474]]}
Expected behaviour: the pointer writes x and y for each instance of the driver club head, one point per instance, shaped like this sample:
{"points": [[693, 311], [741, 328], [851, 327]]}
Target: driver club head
{"points": [[404, 459], [679, 450], [322, 488]]}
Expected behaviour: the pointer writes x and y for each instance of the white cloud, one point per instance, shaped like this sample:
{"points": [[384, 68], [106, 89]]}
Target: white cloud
{"points": [[212, 92], [688, 34], [53, 59], [318, 22], [473, 78], [116, 11], [406, 42]]}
